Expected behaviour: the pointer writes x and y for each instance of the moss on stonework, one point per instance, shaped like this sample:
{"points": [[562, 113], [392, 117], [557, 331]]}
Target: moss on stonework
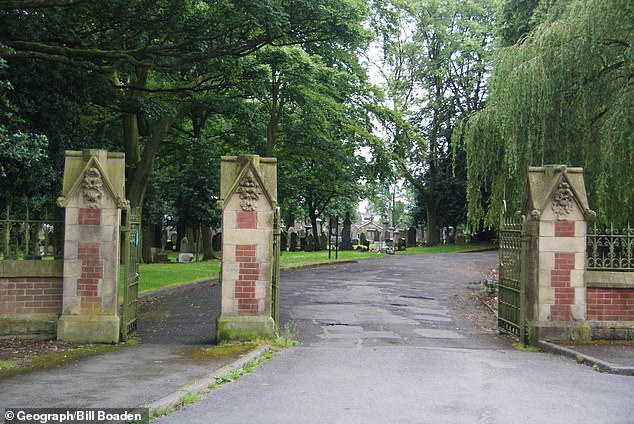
{"points": [[231, 329], [219, 352]]}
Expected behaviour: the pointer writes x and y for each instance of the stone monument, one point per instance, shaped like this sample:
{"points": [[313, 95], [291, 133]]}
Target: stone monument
{"points": [[346, 239]]}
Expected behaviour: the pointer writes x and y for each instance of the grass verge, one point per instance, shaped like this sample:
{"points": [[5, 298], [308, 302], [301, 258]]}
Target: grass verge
{"points": [[153, 277]]}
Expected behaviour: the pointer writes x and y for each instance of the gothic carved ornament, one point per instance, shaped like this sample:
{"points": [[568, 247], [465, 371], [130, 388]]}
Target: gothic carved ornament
{"points": [[92, 188], [249, 191], [563, 200]]}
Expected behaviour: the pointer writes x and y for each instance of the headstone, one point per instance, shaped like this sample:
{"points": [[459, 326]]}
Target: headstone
{"points": [[163, 239], [216, 242], [363, 240], [161, 256], [293, 245], [310, 243], [411, 237], [184, 245], [185, 257], [385, 233], [460, 238], [346, 240], [283, 241], [324, 241]]}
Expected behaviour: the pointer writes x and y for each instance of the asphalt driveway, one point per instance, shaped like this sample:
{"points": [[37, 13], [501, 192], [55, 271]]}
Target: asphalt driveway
{"points": [[392, 340]]}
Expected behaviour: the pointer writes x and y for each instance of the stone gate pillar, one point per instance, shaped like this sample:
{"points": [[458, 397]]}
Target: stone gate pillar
{"points": [[557, 208], [248, 198], [93, 196]]}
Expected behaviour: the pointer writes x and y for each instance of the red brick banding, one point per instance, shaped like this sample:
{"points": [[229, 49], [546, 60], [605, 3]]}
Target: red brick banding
{"points": [[246, 220], [30, 295], [610, 304], [91, 273], [564, 295], [564, 228], [89, 216], [248, 274]]}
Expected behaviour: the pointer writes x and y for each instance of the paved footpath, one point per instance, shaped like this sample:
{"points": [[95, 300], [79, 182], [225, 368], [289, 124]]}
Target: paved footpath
{"points": [[382, 342]]}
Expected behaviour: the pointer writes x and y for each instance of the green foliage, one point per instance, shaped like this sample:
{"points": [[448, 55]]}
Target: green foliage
{"points": [[235, 373], [7, 364], [189, 398], [434, 62], [563, 95], [515, 20], [182, 71]]}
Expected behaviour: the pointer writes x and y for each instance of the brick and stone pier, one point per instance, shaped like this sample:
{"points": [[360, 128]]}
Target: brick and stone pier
{"points": [[249, 198], [93, 196]]}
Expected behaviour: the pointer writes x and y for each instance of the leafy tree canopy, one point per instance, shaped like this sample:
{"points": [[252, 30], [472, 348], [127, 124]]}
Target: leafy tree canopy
{"points": [[564, 94]]}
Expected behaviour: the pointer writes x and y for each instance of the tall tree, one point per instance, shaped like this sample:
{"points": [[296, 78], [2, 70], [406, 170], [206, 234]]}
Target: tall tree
{"points": [[434, 56], [562, 95], [156, 54], [319, 141]]}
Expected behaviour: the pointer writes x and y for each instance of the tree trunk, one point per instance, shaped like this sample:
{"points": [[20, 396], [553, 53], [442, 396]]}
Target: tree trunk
{"points": [[208, 248], [316, 235], [433, 237], [149, 239], [275, 113], [141, 172]]}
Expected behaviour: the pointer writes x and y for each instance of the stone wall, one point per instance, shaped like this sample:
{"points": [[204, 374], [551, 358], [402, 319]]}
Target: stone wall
{"points": [[30, 298], [610, 303]]}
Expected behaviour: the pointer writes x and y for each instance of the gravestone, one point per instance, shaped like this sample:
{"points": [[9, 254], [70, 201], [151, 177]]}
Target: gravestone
{"points": [[324, 241], [385, 231], [184, 247], [216, 242], [363, 240], [411, 237], [248, 193], [310, 243], [294, 240], [283, 241], [346, 240]]}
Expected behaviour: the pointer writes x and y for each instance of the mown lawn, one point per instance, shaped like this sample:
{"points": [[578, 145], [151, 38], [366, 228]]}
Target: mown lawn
{"points": [[154, 277]]}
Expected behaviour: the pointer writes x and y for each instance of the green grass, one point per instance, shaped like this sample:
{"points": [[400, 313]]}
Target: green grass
{"points": [[7, 364], [153, 277]]}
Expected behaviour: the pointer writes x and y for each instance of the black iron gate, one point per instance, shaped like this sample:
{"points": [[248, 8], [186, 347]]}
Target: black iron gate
{"points": [[275, 284], [512, 277], [130, 275]]}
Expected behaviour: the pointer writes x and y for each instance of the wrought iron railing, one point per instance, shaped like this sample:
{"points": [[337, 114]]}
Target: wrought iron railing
{"points": [[31, 234], [611, 249]]}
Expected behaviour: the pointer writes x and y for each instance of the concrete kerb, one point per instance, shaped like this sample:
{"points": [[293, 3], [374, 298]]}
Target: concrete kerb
{"points": [[174, 400], [582, 358]]}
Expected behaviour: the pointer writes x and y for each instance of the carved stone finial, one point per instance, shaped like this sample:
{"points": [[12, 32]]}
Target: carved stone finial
{"points": [[562, 201], [249, 192], [92, 188]]}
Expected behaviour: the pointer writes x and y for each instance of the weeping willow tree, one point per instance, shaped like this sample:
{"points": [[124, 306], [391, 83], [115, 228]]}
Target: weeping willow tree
{"points": [[564, 93]]}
